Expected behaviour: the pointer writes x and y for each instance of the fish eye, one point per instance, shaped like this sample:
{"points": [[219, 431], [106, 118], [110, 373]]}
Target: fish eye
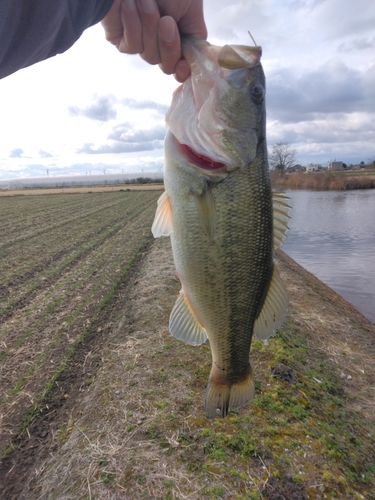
{"points": [[257, 92]]}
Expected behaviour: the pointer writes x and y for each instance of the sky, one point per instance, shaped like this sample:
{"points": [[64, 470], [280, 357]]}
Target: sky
{"points": [[93, 110]]}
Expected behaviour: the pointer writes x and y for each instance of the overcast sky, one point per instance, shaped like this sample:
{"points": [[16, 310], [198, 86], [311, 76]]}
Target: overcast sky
{"points": [[93, 109]]}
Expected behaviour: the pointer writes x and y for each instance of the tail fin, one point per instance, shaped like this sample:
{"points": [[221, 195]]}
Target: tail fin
{"points": [[222, 395]]}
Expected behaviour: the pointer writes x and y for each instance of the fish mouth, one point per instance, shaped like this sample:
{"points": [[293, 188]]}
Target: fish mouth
{"points": [[208, 135], [200, 160]]}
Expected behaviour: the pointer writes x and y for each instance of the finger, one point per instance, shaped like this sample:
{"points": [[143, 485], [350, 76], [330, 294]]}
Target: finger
{"points": [[169, 44], [192, 23], [132, 42], [112, 24], [182, 71], [149, 15]]}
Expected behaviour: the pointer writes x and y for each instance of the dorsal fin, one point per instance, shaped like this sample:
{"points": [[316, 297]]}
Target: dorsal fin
{"points": [[162, 225], [274, 309], [280, 218]]}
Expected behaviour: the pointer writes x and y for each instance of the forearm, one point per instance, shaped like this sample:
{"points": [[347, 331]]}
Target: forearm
{"points": [[33, 30]]}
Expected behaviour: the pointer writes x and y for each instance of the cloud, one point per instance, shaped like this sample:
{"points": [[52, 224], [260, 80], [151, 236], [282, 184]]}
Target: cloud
{"points": [[44, 154], [330, 129], [118, 147], [105, 108], [145, 104], [331, 87], [21, 171], [318, 60], [126, 133], [102, 109], [16, 153], [356, 44], [359, 17], [306, 5], [125, 139]]}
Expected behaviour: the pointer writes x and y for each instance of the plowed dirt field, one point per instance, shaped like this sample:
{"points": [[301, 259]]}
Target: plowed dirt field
{"points": [[62, 258]]}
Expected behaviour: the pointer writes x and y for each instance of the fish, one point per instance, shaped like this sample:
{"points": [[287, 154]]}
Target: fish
{"points": [[223, 219]]}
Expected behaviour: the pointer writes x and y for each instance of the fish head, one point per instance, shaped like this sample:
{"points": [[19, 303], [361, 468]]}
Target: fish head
{"points": [[218, 114]]}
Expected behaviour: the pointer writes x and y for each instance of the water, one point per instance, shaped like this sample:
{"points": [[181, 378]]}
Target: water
{"points": [[332, 235]]}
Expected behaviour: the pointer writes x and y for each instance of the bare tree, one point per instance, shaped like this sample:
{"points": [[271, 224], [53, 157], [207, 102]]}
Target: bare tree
{"points": [[282, 156]]}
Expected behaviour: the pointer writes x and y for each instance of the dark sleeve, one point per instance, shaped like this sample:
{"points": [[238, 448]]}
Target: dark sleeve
{"points": [[33, 30]]}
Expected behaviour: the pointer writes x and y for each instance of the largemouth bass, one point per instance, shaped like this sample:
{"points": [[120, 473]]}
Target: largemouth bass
{"points": [[222, 217]]}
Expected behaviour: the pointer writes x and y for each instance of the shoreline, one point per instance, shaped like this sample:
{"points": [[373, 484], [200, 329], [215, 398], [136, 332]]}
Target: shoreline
{"points": [[324, 181]]}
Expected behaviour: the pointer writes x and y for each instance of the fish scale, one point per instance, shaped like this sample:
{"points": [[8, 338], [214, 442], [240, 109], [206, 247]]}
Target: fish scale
{"points": [[220, 217], [248, 270]]}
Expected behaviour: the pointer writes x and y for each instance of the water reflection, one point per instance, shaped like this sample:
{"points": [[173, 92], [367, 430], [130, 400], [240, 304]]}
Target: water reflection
{"points": [[333, 236]]}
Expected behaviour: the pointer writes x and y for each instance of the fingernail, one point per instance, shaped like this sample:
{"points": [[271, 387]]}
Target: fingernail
{"points": [[168, 31], [147, 6]]}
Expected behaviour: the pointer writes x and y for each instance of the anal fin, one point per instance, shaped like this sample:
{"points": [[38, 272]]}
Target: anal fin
{"points": [[183, 323], [274, 309]]}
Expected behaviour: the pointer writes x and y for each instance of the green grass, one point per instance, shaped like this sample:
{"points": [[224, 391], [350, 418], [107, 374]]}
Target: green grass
{"points": [[283, 425]]}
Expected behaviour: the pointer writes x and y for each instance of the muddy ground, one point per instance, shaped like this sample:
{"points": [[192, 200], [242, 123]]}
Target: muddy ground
{"points": [[125, 420]]}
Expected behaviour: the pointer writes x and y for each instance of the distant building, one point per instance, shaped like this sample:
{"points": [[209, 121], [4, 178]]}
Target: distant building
{"points": [[313, 167], [295, 168], [335, 165], [299, 168]]}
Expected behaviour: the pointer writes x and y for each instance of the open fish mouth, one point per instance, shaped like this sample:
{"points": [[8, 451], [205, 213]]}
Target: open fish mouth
{"points": [[215, 133], [200, 160]]}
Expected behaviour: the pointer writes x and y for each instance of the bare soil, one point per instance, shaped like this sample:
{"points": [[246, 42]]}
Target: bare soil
{"points": [[125, 419], [62, 258], [82, 189]]}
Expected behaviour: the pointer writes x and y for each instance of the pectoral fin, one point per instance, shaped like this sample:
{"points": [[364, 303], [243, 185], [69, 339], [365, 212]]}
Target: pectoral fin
{"points": [[162, 225], [280, 218], [207, 212], [274, 309], [183, 324]]}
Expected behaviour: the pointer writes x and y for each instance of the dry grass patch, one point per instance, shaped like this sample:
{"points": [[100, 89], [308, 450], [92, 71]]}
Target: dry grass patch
{"points": [[335, 329], [140, 431], [323, 181], [81, 189]]}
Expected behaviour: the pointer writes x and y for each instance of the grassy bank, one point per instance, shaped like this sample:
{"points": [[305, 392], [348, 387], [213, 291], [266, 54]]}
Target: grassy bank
{"points": [[135, 428], [324, 181]]}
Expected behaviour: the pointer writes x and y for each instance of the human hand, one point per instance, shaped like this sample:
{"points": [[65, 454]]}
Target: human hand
{"points": [[152, 29]]}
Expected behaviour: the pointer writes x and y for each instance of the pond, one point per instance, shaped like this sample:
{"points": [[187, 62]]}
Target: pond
{"points": [[332, 235]]}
